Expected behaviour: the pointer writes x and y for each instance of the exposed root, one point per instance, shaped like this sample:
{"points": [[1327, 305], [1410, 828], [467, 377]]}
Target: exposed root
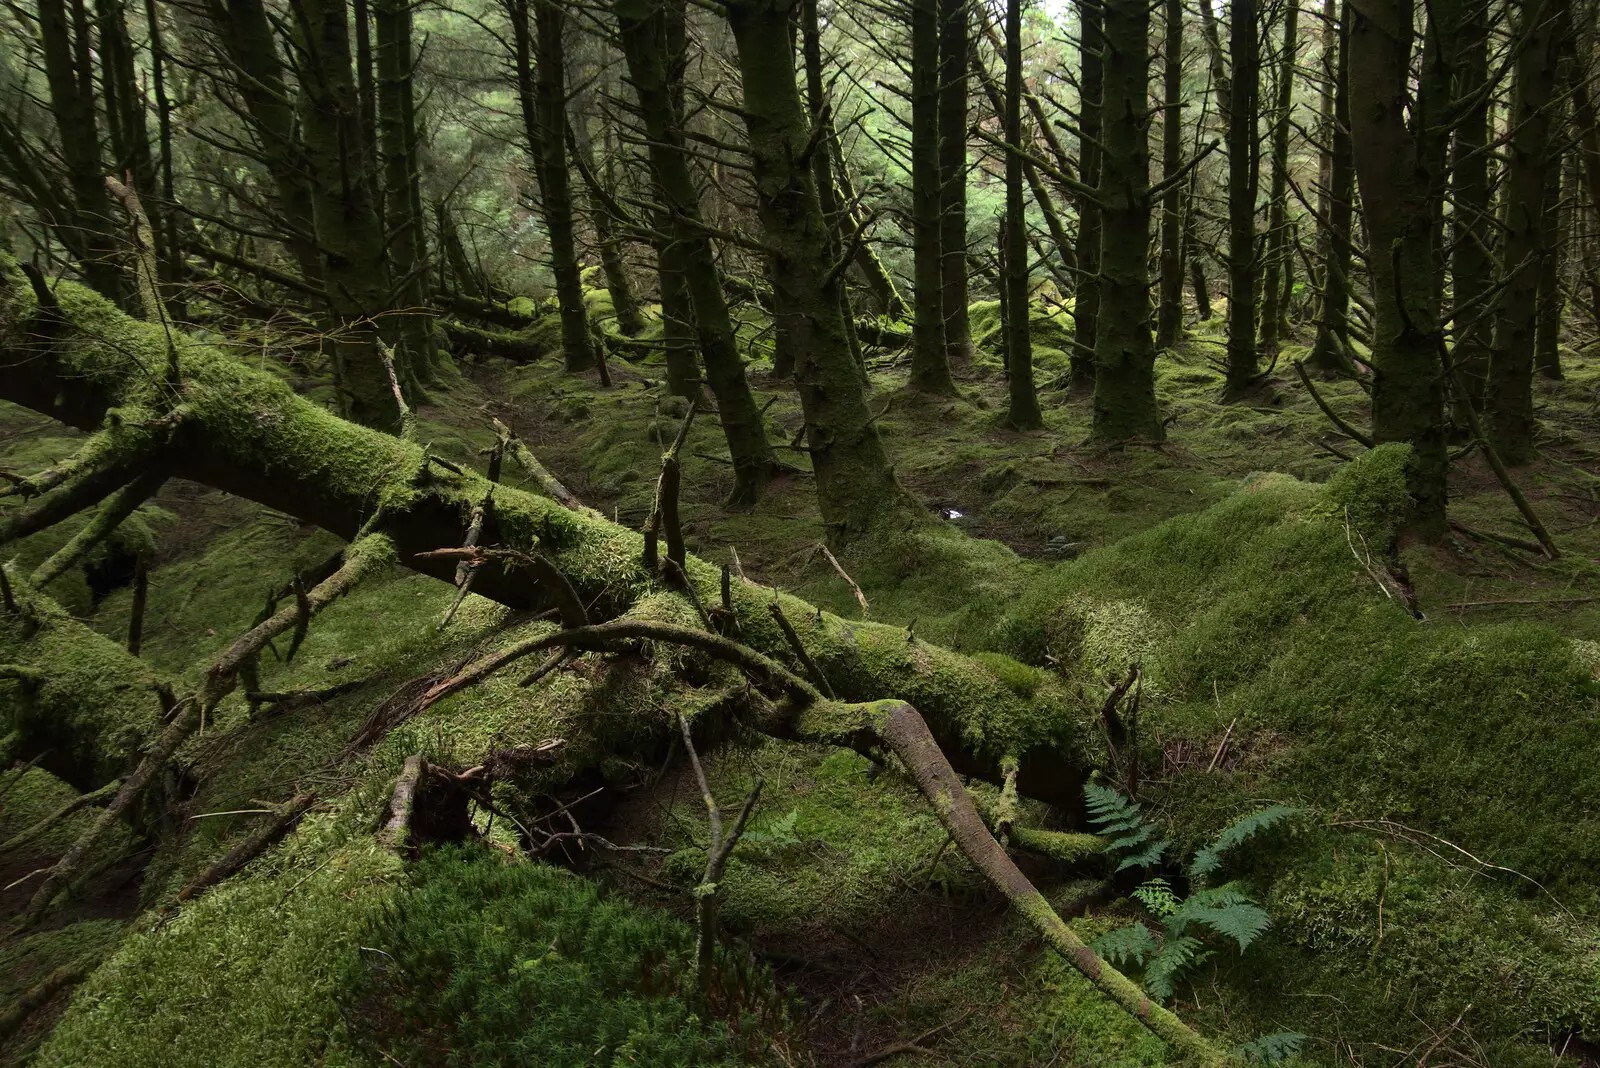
{"points": [[17, 1013]]}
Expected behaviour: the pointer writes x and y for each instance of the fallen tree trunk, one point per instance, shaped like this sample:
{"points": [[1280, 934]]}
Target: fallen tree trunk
{"points": [[465, 338], [243, 431]]}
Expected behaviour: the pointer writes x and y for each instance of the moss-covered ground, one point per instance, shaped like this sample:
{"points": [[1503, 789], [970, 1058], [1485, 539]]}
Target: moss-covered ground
{"points": [[1439, 897]]}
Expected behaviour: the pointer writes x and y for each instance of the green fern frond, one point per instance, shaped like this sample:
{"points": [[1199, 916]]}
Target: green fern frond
{"points": [[1176, 955], [1125, 944], [1209, 859], [1147, 857], [1157, 896], [1110, 811], [1271, 1049], [1225, 910]]}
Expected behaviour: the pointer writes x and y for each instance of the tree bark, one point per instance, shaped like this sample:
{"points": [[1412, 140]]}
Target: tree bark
{"points": [[89, 235], [1023, 412], [405, 239], [1274, 305], [344, 209], [954, 24], [1552, 298], [1125, 406], [822, 161], [652, 37], [543, 92], [1244, 50], [1510, 390], [1472, 228], [1407, 387], [1169, 315], [930, 364], [1086, 297], [856, 488]]}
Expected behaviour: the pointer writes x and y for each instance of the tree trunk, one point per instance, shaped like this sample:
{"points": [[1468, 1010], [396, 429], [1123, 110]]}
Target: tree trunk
{"points": [[547, 142], [1407, 387], [247, 40], [344, 209], [887, 295], [856, 488], [1086, 297], [822, 161], [408, 257], [1510, 391], [366, 91], [1547, 341], [954, 23], [624, 304], [930, 366], [1337, 201], [1244, 50], [89, 236], [652, 38], [1125, 354], [1169, 316], [1274, 307], [1472, 228], [1023, 413], [172, 264]]}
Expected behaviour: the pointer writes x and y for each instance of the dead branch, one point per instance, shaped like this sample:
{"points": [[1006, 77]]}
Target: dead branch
{"points": [[664, 512], [246, 851], [812, 670], [861, 598], [551, 485], [467, 570], [17, 1013], [396, 831], [1344, 428], [78, 803], [1475, 425], [116, 508], [717, 854], [408, 422]]}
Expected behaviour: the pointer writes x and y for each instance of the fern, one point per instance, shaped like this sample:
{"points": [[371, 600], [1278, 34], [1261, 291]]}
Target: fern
{"points": [[1209, 859], [1225, 910], [1157, 896], [1270, 1049], [1125, 944], [1176, 954], [1114, 814]]}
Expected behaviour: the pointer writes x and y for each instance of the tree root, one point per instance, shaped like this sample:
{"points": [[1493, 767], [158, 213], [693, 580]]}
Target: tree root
{"points": [[17, 1013]]}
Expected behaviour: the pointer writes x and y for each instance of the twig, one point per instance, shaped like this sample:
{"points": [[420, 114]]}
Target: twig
{"points": [[1222, 745], [1344, 427], [283, 818], [799, 649], [1531, 600], [861, 598], [408, 423]]}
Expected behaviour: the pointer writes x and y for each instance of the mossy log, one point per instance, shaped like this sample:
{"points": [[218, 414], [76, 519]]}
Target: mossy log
{"points": [[243, 431], [466, 338]]}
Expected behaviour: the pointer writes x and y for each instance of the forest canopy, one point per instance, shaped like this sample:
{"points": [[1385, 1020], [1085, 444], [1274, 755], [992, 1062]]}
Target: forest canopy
{"points": [[799, 532]]}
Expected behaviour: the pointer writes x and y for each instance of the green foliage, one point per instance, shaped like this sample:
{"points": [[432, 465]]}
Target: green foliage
{"points": [[1271, 1049], [1112, 813], [517, 963], [1226, 910], [1206, 861], [1133, 944]]}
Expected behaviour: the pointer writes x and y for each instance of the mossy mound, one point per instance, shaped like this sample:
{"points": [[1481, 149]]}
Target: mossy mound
{"points": [[503, 963]]}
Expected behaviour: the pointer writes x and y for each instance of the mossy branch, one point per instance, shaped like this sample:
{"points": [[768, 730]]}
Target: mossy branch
{"points": [[116, 508], [282, 821], [82, 801]]}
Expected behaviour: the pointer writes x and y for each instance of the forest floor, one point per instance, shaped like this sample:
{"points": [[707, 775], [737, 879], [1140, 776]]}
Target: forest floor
{"points": [[845, 887]]}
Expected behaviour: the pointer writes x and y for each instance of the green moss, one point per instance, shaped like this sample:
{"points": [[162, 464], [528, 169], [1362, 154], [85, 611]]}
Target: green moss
{"points": [[247, 974], [464, 952]]}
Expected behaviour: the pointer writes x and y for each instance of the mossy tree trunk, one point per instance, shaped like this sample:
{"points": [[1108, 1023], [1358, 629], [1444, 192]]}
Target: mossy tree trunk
{"points": [[125, 118], [1552, 299], [1337, 201], [877, 277], [542, 87], [345, 212], [1279, 264], [1169, 305], [652, 37], [955, 19], [89, 235], [1407, 386], [1244, 52], [405, 237], [245, 37], [1472, 230], [366, 89], [624, 303], [461, 272], [1510, 389], [930, 365], [1125, 406], [1023, 412], [1086, 297], [822, 161], [856, 488]]}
